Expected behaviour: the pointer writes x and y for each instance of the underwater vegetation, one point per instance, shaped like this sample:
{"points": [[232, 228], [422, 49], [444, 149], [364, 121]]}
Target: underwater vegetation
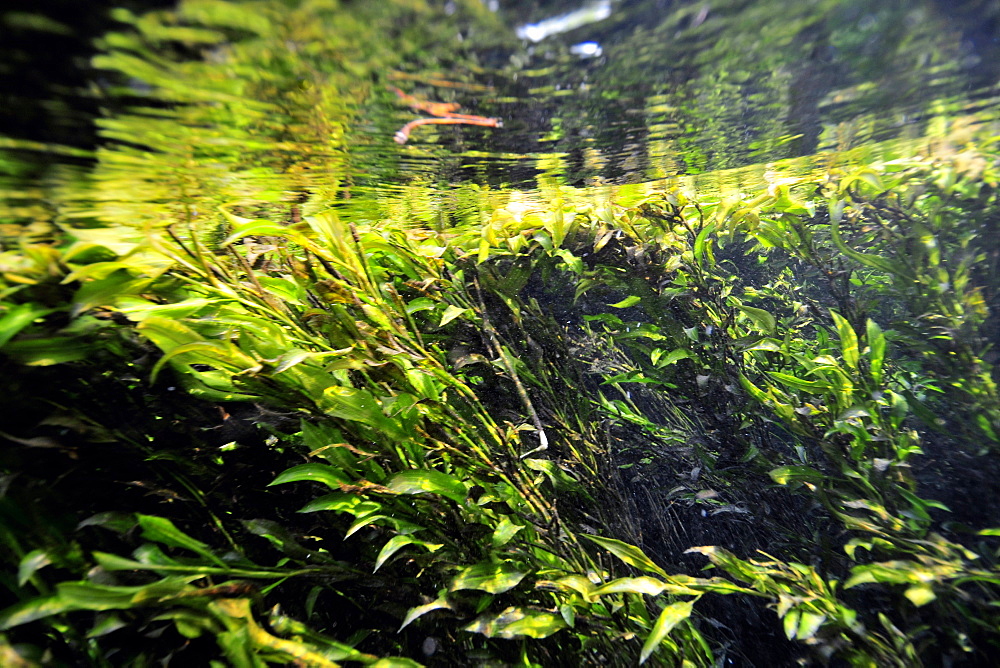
{"points": [[250, 422]]}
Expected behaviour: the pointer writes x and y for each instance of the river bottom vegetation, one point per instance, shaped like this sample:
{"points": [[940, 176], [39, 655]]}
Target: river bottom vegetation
{"points": [[610, 426]]}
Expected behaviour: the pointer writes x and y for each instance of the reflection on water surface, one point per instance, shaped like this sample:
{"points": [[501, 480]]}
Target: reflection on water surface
{"points": [[725, 95], [688, 88]]}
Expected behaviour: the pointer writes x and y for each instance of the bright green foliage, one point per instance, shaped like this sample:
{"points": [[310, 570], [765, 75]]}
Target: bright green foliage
{"points": [[445, 439]]}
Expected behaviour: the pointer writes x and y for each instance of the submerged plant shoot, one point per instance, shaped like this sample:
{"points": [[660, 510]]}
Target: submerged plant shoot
{"points": [[510, 333]]}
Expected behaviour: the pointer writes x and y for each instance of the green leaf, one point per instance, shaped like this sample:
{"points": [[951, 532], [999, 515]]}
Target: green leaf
{"points": [[17, 318], [106, 291], [768, 345], [111, 520], [790, 623], [162, 530], [90, 596], [213, 353], [451, 313], [568, 615], [876, 350], [420, 304], [48, 351], [113, 562], [137, 309], [109, 623], [364, 520], [642, 585], [330, 476], [30, 610], [560, 479], [494, 578], [356, 405], [504, 532], [754, 391], [865, 174], [920, 594], [573, 263], [848, 340], [672, 615], [280, 537], [30, 564], [786, 204], [396, 662], [514, 622], [577, 583], [395, 544], [812, 386], [856, 411], [425, 384], [608, 319], [764, 321], [870, 260], [899, 572], [631, 300], [633, 376], [285, 290], [295, 356], [420, 610], [339, 502], [661, 358], [786, 474], [630, 554], [167, 333], [534, 624], [419, 481], [702, 248], [809, 624], [246, 227]]}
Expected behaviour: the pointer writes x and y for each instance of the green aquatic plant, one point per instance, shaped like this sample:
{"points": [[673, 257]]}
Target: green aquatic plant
{"points": [[487, 426]]}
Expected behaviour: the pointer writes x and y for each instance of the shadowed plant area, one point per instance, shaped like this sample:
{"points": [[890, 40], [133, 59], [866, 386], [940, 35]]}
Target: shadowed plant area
{"points": [[282, 389]]}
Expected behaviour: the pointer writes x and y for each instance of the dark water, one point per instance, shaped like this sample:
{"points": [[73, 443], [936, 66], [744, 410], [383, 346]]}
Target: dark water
{"points": [[726, 89]]}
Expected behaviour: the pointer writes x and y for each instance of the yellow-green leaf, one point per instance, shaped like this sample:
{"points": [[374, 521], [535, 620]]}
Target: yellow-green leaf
{"points": [[920, 594], [848, 340], [504, 532], [17, 318], [642, 585], [786, 474], [812, 386], [790, 623], [428, 480], [451, 313], [330, 476], [494, 578], [809, 623], [631, 300], [672, 615], [420, 610], [514, 622], [630, 554], [32, 609], [395, 544], [876, 350]]}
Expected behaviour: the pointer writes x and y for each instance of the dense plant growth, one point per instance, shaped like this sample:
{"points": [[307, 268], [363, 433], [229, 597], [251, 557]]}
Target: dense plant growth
{"points": [[251, 423]]}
